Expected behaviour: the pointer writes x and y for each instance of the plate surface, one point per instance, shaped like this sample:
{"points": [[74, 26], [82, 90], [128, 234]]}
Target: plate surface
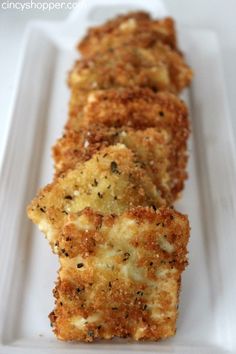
{"points": [[207, 321]]}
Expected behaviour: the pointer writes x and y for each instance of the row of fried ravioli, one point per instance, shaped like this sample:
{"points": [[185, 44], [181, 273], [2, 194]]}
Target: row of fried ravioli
{"points": [[119, 166]]}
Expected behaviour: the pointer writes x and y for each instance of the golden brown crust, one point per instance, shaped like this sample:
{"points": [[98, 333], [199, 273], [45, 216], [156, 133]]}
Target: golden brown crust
{"points": [[123, 279], [110, 182], [137, 109], [154, 148], [131, 107], [159, 68], [121, 160], [135, 28]]}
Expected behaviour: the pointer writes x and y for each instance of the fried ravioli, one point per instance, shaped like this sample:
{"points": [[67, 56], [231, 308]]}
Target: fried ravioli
{"points": [[112, 181], [154, 148], [119, 166], [131, 107], [120, 275], [137, 109], [136, 29], [159, 68]]}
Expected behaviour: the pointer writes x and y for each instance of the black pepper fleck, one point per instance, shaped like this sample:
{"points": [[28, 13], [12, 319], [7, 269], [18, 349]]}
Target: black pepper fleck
{"points": [[90, 333], [126, 256], [114, 167], [95, 183], [80, 265], [140, 293], [69, 197]]}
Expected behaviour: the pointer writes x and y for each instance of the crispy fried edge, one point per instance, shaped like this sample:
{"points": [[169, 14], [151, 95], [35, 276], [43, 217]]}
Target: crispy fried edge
{"points": [[95, 36], [140, 215]]}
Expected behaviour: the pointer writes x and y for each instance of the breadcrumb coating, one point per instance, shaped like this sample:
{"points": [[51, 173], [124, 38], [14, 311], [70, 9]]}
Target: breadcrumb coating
{"points": [[159, 68], [136, 29], [120, 275], [119, 166], [112, 181], [138, 108], [155, 149]]}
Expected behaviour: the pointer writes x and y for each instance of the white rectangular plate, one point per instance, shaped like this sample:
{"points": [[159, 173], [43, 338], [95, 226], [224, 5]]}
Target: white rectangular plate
{"points": [[207, 321]]}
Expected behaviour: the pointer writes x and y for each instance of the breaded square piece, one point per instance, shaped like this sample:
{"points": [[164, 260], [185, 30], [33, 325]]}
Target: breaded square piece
{"points": [[138, 108], [112, 181], [159, 68], [120, 275], [135, 108], [154, 148], [136, 29]]}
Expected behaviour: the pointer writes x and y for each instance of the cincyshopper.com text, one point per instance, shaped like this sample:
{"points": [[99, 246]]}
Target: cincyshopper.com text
{"points": [[39, 5]]}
